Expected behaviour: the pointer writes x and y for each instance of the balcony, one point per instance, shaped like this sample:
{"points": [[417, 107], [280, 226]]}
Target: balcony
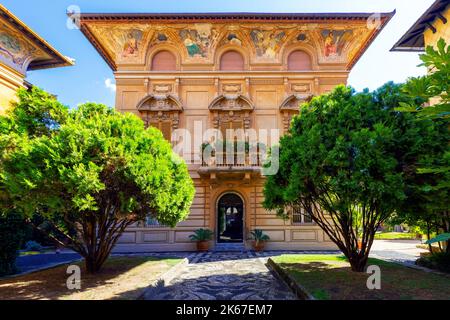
{"points": [[240, 161]]}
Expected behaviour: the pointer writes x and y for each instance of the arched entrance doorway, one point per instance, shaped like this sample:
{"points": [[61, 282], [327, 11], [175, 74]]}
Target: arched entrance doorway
{"points": [[230, 219]]}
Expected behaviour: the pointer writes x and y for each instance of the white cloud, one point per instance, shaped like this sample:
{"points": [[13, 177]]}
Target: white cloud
{"points": [[109, 84]]}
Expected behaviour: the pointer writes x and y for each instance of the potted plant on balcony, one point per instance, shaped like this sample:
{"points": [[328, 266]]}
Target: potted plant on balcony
{"points": [[202, 237], [259, 239]]}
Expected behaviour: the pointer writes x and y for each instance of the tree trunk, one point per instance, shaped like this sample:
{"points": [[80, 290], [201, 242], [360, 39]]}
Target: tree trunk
{"points": [[428, 237], [358, 261], [92, 264]]}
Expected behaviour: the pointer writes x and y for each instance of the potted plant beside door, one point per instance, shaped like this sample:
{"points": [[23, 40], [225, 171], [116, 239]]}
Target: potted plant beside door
{"points": [[202, 237], [259, 239]]}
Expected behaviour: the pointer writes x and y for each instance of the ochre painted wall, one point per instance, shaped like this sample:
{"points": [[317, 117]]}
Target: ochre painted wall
{"points": [[261, 92], [442, 30], [10, 82]]}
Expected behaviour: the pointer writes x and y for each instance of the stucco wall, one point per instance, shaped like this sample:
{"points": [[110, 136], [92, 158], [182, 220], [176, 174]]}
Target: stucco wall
{"points": [[442, 30], [10, 82], [270, 96]]}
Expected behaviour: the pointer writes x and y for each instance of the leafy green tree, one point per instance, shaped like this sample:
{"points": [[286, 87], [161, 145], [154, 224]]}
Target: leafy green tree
{"points": [[429, 188], [344, 162], [12, 234], [91, 174]]}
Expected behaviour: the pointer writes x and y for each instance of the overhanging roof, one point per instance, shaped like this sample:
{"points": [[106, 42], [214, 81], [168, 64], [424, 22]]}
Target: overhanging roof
{"points": [[228, 16], [85, 18], [413, 39], [56, 60]]}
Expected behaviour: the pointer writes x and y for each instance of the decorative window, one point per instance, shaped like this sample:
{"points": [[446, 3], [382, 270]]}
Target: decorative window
{"points": [[164, 61], [234, 126], [161, 111], [231, 61], [299, 61], [164, 126], [300, 217]]}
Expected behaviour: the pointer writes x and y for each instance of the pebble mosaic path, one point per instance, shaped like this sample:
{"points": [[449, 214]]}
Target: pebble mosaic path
{"points": [[224, 276]]}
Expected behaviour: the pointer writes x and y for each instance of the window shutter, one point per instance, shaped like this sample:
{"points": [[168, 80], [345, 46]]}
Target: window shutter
{"points": [[166, 129]]}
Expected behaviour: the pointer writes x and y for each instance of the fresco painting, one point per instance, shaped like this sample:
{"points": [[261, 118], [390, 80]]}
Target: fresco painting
{"points": [[132, 42], [267, 43], [12, 48], [335, 41], [198, 40]]}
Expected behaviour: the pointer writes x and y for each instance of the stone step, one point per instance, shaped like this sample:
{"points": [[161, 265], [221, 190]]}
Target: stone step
{"points": [[229, 247]]}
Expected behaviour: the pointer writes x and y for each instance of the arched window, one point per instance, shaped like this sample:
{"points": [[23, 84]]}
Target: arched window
{"points": [[232, 61], [164, 61], [299, 61]]}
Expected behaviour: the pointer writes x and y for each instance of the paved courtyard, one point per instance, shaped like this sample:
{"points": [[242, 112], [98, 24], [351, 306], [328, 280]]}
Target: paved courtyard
{"points": [[405, 251], [223, 276]]}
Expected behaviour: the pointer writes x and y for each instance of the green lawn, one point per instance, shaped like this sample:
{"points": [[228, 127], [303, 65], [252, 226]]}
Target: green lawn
{"points": [[395, 236], [329, 277]]}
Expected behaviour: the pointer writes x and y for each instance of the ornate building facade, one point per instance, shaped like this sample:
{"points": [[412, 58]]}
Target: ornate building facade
{"points": [[243, 72], [21, 50]]}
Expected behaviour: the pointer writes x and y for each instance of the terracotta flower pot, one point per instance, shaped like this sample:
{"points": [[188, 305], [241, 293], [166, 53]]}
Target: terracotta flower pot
{"points": [[359, 245], [259, 246], [202, 245]]}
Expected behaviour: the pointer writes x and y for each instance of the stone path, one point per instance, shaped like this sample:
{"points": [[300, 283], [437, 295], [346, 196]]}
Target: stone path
{"points": [[223, 276], [404, 251]]}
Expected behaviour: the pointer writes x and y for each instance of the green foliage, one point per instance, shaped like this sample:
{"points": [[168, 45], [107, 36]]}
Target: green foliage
{"points": [[435, 85], [201, 235], [12, 234], [345, 160], [93, 174], [439, 261], [259, 236], [428, 193], [37, 113]]}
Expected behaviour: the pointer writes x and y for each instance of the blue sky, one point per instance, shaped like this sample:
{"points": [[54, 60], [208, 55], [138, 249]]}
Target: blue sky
{"points": [[91, 78]]}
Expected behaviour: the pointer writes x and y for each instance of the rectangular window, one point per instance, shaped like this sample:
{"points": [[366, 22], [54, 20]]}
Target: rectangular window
{"points": [[165, 127], [232, 127], [300, 217], [296, 216], [151, 222]]}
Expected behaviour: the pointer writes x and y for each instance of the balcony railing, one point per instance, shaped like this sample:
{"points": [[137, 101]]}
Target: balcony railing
{"points": [[237, 156]]}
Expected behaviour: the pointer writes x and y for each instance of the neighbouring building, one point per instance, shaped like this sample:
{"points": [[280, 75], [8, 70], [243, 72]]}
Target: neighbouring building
{"points": [[428, 29], [222, 71], [21, 49]]}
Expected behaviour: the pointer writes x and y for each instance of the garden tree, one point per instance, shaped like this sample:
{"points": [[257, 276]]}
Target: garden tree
{"points": [[344, 161], [36, 113], [429, 188], [93, 174], [12, 234]]}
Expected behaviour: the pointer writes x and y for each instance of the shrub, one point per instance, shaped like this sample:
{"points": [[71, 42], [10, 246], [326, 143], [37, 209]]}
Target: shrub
{"points": [[12, 233], [439, 261]]}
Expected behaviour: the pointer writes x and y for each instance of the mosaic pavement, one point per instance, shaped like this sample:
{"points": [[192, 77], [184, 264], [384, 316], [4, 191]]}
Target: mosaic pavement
{"points": [[223, 276]]}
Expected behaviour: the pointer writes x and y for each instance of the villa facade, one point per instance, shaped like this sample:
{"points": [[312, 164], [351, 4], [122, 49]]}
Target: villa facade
{"points": [[243, 72], [22, 50]]}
